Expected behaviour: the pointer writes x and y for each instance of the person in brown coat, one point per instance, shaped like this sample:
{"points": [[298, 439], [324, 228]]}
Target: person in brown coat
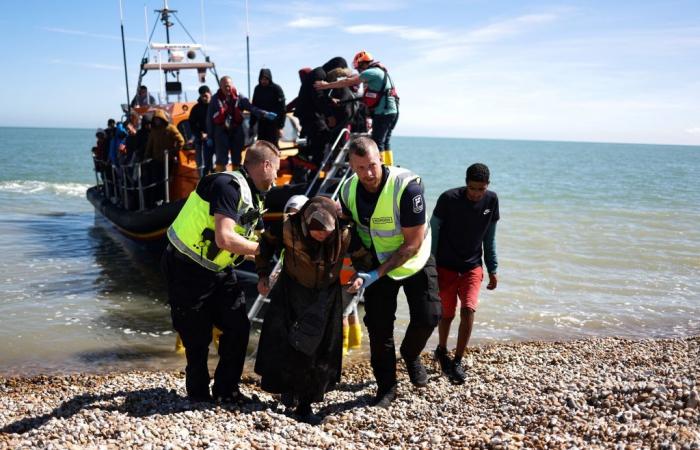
{"points": [[300, 348], [164, 136]]}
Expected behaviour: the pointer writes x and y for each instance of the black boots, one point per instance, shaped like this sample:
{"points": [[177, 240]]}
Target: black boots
{"points": [[416, 372], [457, 376], [443, 359], [384, 397], [450, 367]]}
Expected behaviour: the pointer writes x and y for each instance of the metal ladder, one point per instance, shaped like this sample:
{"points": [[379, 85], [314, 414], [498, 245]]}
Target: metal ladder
{"points": [[330, 187]]}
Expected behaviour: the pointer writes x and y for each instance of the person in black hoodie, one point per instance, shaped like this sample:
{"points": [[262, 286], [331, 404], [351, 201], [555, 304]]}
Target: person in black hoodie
{"points": [[315, 111], [198, 125], [315, 116], [270, 97]]}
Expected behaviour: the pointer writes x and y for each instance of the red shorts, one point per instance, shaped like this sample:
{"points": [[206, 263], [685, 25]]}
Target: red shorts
{"points": [[463, 285]]}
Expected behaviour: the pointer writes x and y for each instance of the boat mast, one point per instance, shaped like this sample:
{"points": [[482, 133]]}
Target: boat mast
{"points": [[126, 74], [165, 18], [247, 43]]}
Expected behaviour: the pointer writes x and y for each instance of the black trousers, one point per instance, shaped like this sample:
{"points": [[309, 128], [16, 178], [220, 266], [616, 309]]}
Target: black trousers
{"points": [[200, 299], [424, 308]]}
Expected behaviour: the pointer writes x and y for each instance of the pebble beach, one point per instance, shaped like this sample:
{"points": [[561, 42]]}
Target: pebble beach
{"points": [[593, 393]]}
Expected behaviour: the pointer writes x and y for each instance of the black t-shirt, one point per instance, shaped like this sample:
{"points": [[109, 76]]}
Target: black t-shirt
{"points": [[223, 194], [464, 224], [412, 203]]}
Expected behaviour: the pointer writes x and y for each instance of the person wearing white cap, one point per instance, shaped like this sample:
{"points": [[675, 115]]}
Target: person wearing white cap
{"points": [[295, 203]]}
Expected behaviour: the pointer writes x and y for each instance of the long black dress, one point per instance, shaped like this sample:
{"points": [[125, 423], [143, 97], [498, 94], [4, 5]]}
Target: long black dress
{"points": [[308, 366]]}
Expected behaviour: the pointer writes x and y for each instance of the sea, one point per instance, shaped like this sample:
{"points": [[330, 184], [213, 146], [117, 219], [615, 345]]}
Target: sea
{"points": [[595, 239]]}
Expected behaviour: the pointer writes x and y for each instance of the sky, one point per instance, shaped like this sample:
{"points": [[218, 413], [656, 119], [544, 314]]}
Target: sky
{"points": [[608, 71]]}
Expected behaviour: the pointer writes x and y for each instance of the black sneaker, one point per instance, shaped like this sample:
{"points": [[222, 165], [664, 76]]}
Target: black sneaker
{"points": [[236, 398], [200, 398], [384, 397], [457, 375], [288, 399], [443, 359], [305, 414], [416, 372]]}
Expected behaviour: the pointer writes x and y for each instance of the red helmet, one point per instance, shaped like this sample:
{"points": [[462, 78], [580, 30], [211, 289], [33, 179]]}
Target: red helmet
{"points": [[363, 56]]}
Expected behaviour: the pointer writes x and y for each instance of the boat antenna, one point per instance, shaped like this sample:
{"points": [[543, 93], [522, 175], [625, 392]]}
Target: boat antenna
{"points": [[247, 43], [165, 18], [145, 24], [126, 74], [204, 29]]}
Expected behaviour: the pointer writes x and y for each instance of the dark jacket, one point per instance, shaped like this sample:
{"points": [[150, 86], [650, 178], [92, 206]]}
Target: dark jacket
{"points": [[198, 118], [270, 98], [335, 63], [313, 106]]}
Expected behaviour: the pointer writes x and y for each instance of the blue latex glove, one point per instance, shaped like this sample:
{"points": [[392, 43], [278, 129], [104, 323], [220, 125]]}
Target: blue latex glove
{"points": [[368, 277], [270, 116], [210, 142]]}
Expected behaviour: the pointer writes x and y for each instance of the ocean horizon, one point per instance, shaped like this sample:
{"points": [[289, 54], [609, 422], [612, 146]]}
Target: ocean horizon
{"points": [[565, 141]]}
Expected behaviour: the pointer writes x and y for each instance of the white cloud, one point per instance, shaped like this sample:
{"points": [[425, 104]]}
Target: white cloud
{"points": [[458, 44], [507, 28], [87, 34], [312, 22], [288, 8], [439, 46], [693, 130], [403, 32], [369, 5], [86, 65]]}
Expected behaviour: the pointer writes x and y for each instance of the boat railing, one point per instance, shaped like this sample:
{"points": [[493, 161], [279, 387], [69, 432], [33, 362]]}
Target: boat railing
{"points": [[329, 157], [127, 178]]}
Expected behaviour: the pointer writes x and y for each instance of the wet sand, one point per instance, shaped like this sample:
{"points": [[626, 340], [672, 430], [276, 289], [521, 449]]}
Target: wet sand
{"points": [[595, 393]]}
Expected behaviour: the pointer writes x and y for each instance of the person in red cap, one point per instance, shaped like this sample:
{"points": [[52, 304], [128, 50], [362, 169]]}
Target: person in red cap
{"points": [[379, 96]]}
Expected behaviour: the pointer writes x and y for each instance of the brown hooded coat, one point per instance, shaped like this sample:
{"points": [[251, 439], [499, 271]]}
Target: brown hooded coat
{"points": [[163, 138]]}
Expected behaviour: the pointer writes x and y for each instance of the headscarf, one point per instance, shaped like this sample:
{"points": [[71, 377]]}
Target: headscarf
{"points": [[319, 213]]}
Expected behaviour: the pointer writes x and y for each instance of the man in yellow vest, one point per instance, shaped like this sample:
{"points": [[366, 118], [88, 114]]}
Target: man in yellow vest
{"points": [[387, 206], [211, 235]]}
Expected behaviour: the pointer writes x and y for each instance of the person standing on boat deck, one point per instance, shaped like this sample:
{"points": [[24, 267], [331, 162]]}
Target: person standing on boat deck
{"points": [[300, 349], [214, 231], [315, 114], [343, 101], [224, 123], [118, 143], [198, 125], [463, 223], [387, 205], [269, 96], [142, 137], [142, 98], [111, 128], [163, 136], [380, 97]]}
